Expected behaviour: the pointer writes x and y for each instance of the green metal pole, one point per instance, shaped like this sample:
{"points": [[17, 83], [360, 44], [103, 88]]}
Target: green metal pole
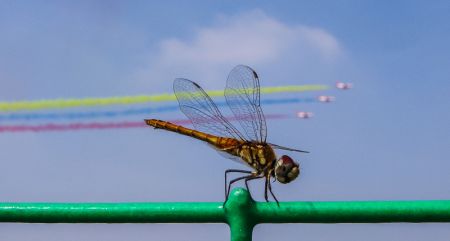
{"points": [[112, 212], [241, 213], [354, 212]]}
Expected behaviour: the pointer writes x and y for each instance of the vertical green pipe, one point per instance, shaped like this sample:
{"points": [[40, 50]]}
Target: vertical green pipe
{"points": [[239, 212]]}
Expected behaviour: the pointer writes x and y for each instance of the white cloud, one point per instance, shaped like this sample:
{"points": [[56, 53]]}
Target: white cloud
{"points": [[251, 38]]}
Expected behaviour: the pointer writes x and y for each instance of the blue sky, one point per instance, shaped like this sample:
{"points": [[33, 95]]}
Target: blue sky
{"points": [[386, 139]]}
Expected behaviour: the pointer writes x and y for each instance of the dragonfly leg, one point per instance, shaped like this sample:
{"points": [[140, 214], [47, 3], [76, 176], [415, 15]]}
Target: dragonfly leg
{"points": [[235, 180], [265, 190], [249, 179], [226, 182], [270, 190]]}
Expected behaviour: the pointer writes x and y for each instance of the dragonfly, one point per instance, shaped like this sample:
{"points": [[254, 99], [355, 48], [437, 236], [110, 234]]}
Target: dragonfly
{"points": [[246, 144]]}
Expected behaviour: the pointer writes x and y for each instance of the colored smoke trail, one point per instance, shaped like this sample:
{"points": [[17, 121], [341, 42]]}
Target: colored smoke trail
{"points": [[98, 125], [126, 100], [128, 112], [71, 127]]}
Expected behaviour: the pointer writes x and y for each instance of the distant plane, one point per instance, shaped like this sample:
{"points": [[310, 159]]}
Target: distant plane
{"points": [[326, 98], [304, 114], [343, 86]]}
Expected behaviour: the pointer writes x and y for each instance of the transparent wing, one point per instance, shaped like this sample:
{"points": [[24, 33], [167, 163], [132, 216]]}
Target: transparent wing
{"points": [[242, 94], [201, 110], [285, 148], [229, 156]]}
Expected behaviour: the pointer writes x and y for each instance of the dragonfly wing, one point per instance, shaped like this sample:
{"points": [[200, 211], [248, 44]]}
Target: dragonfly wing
{"points": [[229, 156], [201, 110], [285, 148], [242, 94]]}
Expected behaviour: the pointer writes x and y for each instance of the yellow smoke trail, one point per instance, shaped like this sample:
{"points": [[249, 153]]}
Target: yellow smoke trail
{"points": [[125, 100]]}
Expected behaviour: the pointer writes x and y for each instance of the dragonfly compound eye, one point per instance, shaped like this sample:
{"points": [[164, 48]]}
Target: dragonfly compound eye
{"points": [[286, 169]]}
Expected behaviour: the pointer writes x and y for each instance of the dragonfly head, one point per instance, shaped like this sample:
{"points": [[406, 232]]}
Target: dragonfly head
{"points": [[286, 169]]}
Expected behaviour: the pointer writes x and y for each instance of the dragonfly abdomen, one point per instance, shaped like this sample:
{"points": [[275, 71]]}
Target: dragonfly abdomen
{"points": [[219, 142]]}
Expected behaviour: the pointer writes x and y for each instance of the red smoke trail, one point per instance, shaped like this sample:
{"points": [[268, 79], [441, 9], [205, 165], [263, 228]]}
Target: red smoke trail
{"points": [[96, 125], [77, 126], [71, 127]]}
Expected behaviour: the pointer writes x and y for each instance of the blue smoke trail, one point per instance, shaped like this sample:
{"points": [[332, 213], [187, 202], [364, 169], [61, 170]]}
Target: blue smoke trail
{"points": [[127, 112]]}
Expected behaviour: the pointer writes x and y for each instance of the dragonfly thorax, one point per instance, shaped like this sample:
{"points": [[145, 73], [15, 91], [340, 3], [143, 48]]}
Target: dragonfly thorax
{"points": [[261, 157]]}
